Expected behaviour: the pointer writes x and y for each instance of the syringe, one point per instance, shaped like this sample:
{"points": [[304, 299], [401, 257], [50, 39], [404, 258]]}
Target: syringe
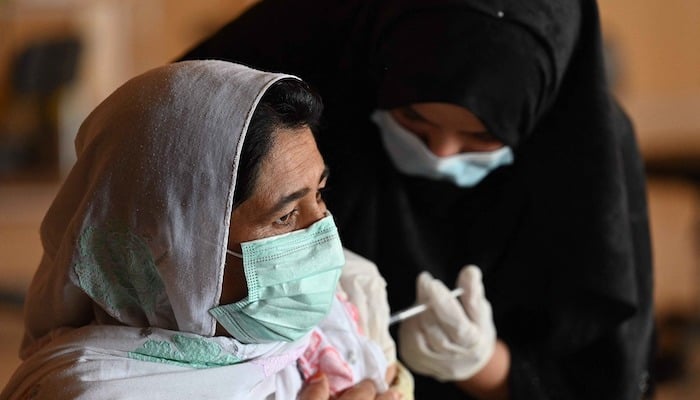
{"points": [[417, 309]]}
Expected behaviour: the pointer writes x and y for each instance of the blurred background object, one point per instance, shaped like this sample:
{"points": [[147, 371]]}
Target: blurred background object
{"points": [[28, 129], [655, 64], [60, 58]]}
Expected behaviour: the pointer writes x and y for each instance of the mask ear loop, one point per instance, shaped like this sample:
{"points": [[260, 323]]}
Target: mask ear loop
{"points": [[233, 253], [229, 251]]}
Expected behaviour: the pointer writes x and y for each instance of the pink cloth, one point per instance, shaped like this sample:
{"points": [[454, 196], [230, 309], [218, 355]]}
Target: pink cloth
{"points": [[341, 351]]}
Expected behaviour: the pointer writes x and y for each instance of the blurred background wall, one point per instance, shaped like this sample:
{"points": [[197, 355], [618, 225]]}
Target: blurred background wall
{"points": [[113, 39], [60, 58], [656, 68]]}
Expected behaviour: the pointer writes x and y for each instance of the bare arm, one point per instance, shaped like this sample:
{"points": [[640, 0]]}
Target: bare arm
{"points": [[491, 382]]}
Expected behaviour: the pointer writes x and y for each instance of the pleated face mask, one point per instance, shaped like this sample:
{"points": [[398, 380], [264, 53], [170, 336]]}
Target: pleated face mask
{"points": [[291, 280], [412, 157]]}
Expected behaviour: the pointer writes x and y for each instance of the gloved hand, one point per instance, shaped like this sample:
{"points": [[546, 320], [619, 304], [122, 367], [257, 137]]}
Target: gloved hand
{"points": [[366, 289], [453, 339]]}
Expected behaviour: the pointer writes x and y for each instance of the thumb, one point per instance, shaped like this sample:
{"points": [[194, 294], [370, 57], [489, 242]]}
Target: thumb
{"points": [[423, 287], [474, 300], [316, 388]]}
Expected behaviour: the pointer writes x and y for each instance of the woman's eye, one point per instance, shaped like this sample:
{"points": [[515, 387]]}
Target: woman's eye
{"points": [[411, 121], [287, 219], [485, 137], [319, 194], [412, 115]]}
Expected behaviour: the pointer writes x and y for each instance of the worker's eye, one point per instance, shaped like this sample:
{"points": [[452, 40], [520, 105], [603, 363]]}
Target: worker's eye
{"points": [[410, 114]]}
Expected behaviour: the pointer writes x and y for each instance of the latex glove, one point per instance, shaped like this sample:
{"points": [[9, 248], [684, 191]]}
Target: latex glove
{"points": [[453, 339], [366, 289]]}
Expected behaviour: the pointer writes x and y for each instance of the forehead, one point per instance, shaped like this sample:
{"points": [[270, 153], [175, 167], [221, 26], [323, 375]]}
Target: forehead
{"points": [[447, 115], [293, 162]]}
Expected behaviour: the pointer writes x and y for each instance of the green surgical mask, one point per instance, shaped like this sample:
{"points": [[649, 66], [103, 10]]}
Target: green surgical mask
{"points": [[291, 284]]}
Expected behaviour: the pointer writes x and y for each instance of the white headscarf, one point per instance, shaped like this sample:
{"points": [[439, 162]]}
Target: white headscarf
{"points": [[152, 186], [134, 249]]}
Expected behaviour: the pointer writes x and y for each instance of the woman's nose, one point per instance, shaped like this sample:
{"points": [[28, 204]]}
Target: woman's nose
{"points": [[314, 214], [444, 143]]}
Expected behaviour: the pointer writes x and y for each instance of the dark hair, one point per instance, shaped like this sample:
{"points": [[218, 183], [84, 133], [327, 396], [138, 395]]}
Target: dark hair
{"points": [[287, 104]]}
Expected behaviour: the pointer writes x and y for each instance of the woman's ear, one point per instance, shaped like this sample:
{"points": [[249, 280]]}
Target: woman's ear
{"points": [[234, 287]]}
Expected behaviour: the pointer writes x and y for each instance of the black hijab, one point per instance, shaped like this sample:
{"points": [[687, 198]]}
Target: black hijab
{"points": [[561, 235]]}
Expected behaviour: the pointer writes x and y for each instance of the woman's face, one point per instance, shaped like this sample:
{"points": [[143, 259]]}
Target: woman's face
{"points": [[446, 129], [286, 197]]}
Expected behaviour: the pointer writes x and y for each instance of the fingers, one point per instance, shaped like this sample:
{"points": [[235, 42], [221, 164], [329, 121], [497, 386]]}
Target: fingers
{"points": [[470, 280], [438, 297], [390, 394], [473, 300], [452, 339], [364, 390], [423, 287], [446, 321], [391, 373], [316, 388]]}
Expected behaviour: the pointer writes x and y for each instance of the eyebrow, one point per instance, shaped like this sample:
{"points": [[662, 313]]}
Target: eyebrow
{"points": [[286, 199], [427, 121]]}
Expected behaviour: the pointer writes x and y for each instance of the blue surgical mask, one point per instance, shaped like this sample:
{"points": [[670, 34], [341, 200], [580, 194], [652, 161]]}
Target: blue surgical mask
{"points": [[412, 157], [291, 280]]}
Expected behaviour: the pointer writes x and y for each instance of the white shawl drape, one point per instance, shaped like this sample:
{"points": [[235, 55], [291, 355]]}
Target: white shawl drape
{"points": [[134, 252]]}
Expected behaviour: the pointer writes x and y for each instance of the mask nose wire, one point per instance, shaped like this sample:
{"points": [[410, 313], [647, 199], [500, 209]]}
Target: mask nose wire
{"points": [[240, 255]]}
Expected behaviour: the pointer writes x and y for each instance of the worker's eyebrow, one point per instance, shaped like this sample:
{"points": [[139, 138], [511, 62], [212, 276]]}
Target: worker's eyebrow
{"points": [[417, 115]]}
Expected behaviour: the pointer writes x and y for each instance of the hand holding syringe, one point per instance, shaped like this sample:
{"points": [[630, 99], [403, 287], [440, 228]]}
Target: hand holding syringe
{"points": [[456, 338], [417, 309]]}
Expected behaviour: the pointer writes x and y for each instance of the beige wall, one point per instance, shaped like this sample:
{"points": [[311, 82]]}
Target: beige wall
{"points": [[120, 39], [659, 41], [657, 44], [164, 29]]}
